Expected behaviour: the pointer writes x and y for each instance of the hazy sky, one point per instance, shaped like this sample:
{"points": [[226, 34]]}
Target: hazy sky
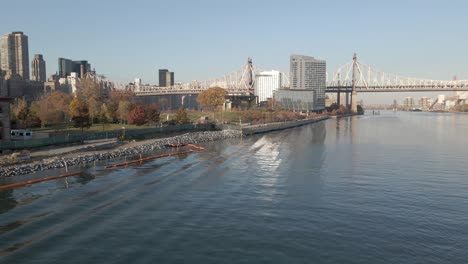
{"points": [[208, 38]]}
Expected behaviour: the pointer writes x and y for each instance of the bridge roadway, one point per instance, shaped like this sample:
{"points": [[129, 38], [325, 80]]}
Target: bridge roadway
{"points": [[330, 89], [396, 89], [183, 92]]}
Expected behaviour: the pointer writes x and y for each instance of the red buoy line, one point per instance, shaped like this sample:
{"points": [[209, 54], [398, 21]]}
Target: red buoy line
{"points": [[194, 148], [30, 182]]}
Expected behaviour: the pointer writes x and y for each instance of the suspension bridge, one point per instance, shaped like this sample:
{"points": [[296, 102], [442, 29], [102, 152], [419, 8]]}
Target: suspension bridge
{"points": [[350, 78]]}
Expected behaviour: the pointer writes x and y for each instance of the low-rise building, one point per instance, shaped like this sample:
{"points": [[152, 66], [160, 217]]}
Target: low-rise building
{"points": [[295, 100]]}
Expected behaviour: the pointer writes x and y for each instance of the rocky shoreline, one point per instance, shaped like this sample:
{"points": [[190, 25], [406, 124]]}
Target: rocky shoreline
{"points": [[157, 144]]}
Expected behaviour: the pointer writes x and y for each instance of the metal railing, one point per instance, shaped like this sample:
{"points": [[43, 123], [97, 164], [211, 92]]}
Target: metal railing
{"points": [[74, 138]]}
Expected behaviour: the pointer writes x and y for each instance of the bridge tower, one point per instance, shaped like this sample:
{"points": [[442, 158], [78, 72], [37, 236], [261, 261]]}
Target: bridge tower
{"points": [[353, 91], [250, 77], [338, 96]]}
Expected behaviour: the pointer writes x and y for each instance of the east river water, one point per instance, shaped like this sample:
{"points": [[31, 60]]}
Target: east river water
{"points": [[391, 188]]}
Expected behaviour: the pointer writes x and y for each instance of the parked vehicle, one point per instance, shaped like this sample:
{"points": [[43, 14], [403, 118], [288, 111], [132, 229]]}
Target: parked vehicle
{"points": [[21, 134]]}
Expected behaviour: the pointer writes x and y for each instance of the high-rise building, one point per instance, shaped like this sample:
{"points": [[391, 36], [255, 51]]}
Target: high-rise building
{"points": [[408, 103], [170, 78], [166, 78], [14, 54], [424, 102], [81, 67], [265, 83], [38, 68], [162, 77], [65, 67], [307, 73]]}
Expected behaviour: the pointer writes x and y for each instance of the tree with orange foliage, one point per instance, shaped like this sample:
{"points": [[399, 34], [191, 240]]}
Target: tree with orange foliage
{"points": [[137, 116], [212, 98]]}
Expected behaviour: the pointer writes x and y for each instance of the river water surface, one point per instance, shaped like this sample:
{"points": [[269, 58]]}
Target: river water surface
{"points": [[391, 188]]}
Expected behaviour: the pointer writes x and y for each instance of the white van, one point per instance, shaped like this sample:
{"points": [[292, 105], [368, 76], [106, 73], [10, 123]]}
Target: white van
{"points": [[21, 134]]}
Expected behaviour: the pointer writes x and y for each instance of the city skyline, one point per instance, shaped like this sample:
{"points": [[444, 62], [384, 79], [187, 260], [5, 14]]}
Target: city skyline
{"points": [[205, 41]]}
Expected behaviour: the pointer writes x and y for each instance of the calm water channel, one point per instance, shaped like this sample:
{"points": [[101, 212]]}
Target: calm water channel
{"points": [[391, 188]]}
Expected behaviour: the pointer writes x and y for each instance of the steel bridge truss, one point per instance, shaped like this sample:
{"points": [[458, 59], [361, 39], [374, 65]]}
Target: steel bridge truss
{"points": [[240, 82], [367, 79], [370, 80]]}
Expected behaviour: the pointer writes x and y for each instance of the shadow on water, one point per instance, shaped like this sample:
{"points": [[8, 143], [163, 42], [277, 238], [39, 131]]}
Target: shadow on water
{"points": [[7, 201], [85, 177]]}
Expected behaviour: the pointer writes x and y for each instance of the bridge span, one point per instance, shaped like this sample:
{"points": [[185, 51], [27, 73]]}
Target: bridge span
{"points": [[351, 78]]}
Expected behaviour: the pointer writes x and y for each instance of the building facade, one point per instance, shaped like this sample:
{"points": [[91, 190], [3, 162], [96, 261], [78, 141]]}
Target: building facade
{"points": [[163, 77], [67, 66], [408, 103], [307, 85], [14, 54], [424, 103], [169, 78], [166, 78], [296, 100], [81, 68], [64, 67], [308, 73], [266, 83], [38, 69]]}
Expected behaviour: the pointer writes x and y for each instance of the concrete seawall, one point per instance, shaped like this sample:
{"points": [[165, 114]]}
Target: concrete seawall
{"points": [[264, 128]]}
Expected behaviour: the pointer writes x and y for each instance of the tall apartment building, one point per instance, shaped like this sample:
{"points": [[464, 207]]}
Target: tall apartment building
{"points": [[265, 83], [166, 78], [38, 68], [424, 102], [163, 77], [408, 103], [67, 66], [14, 54], [307, 73], [170, 78]]}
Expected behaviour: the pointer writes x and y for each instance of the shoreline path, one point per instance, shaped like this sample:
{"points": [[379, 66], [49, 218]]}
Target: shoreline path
{"points": [[99, 150]]}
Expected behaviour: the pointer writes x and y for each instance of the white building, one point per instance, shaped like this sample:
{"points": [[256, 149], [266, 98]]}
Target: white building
{"points": [[68, 85], [266, 82], [137, 84]]}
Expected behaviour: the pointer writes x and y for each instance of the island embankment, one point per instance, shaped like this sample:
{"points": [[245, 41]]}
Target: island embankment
{"points": [[56, 160]]}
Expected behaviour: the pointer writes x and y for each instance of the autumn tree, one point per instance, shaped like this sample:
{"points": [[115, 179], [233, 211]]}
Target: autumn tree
{"points": [[79, 113], [52, 108], [123, 110], [21, 112], [111, 111], [182, 116], [24, 115], [104, 115], [137, 116], [92, 92], [152, 113], [212, 98]]}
